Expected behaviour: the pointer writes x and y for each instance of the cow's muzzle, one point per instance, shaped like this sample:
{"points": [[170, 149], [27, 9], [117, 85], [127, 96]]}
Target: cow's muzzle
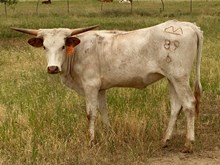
{"points": [[53, 69]]}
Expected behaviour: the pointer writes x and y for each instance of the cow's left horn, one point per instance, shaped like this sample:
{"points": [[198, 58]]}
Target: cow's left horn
{"points": [[27, 31], [81, 30]]}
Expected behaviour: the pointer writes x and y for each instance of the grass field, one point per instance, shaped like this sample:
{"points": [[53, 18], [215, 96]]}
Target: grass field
{"points": [[43, 122]]}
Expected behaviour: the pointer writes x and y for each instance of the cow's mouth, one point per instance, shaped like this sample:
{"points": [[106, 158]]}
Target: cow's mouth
{"points": [[53, 69]]}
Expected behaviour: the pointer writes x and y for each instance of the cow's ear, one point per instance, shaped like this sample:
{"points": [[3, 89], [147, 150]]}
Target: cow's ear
{"points": [[72, 41], [36, 42]]}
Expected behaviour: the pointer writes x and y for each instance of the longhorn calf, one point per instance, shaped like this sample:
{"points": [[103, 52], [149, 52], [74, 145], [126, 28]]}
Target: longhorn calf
{"points": [[94, 61], [106, 0], [125, 1]]}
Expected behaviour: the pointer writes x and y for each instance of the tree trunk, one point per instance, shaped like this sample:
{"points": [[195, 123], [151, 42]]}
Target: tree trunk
{"points": [[101, 5], [131, 1], [5, 8], [37, 6], [68, 6], [190, 6], [162, 5]]}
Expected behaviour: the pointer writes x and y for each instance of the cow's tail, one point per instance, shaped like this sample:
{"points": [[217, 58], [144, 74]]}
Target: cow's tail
{"points": [[198, 86]]}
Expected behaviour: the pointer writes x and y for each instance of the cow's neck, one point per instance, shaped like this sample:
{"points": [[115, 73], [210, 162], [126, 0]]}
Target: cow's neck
{"points": [[67, 75]]}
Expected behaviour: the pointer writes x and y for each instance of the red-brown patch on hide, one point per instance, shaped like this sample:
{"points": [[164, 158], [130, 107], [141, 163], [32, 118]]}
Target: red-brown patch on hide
{"points": [[70, 43], [70, 50]]}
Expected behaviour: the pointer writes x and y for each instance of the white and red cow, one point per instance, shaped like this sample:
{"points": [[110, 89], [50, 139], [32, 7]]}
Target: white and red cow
{"points": [[125, 1], [94, 61], [106, 0]]}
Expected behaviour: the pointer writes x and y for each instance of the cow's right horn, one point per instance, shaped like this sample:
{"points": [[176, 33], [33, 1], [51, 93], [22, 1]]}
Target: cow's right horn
{"points": [[27, 31], [81, 30]]}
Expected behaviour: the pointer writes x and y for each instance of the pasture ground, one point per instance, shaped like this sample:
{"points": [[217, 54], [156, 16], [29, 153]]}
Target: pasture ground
{"points": [[42, 122]]}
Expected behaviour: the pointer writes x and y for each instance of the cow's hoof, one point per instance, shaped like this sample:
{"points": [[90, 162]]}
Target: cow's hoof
{"points": [[165, 143], [188, 148], [91, 143]]}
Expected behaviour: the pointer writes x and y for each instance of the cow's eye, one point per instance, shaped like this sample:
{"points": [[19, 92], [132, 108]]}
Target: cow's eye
{"points": [[44, 47], [63, 47]]}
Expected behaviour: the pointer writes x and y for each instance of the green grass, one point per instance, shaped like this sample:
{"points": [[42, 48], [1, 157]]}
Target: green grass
{"points": [[43, 122]]}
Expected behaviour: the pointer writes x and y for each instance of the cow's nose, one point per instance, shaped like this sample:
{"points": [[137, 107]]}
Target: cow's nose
{"points": [[52, 69]]}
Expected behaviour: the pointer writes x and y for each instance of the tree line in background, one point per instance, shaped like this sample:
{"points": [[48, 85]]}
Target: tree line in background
{"points": [[7, 2], [11, 2], [49, 2], [131, 2]]}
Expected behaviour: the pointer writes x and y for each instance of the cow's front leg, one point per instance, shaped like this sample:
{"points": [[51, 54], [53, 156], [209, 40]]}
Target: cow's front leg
{"points": [[91, 95], [103, 108]]}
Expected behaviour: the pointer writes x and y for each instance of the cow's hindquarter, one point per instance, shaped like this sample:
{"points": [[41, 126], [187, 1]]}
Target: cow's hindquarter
{"points": [[179, 51], [176, 58]]}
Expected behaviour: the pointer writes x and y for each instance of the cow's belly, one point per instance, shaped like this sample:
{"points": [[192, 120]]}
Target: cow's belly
{"points": [[134, 82]]}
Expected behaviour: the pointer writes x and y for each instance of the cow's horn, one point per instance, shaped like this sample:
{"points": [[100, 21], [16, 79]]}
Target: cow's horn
{"points": [[28, 31], [81, 30]]}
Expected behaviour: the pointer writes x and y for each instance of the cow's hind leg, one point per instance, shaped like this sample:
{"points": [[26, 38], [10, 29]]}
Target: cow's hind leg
{"points": [[185, 95], [103, 107], [175, 110]]}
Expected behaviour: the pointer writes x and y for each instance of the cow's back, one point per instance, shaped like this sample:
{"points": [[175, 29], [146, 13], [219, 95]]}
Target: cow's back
{"points": [[140, 57]]}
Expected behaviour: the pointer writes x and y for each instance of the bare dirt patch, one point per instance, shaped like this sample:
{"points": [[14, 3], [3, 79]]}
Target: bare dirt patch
{"points": [[205, 158]]}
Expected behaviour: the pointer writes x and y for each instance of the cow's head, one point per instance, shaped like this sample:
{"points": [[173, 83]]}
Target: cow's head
{"points": [[58, 43]]}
